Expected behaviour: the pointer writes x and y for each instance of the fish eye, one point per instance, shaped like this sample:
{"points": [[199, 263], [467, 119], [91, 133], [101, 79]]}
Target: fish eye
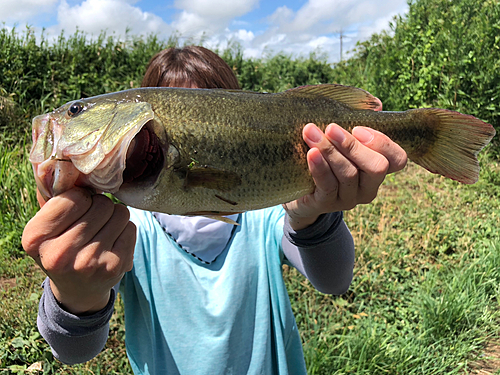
{"points": [[75, 109]]}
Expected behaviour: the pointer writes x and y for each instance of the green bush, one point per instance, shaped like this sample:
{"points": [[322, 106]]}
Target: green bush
{"points": [[40, 76], [441, 54]]}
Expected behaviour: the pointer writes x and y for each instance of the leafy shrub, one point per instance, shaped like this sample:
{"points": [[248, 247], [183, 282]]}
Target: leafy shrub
{"points": [[441, 54]]}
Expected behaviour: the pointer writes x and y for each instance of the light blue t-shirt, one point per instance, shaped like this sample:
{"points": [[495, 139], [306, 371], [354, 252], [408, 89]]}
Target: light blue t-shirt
{"points": [[232, 316]]}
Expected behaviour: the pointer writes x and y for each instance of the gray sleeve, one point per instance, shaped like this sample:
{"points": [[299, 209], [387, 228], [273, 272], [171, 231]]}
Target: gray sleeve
{"points": [[73, 339], [322, 252]]}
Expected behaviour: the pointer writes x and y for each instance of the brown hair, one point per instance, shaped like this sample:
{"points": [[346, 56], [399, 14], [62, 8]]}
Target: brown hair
{"points": [[190, 66]]}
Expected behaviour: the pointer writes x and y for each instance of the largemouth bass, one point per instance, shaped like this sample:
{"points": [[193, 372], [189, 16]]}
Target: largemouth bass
{"points": [[214, 152]]}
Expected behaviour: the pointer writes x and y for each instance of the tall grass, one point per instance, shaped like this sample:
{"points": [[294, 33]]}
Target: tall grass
{"points": [[424, 298], [17, 204]]}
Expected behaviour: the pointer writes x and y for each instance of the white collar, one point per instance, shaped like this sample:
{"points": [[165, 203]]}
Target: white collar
{"points": [[198, 235]]}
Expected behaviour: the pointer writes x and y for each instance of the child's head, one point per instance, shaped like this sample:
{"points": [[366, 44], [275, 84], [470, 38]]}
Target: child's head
{"points": [[191, 67]]}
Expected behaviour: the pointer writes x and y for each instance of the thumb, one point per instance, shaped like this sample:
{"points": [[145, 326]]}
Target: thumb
{"points": [[382, 144]]}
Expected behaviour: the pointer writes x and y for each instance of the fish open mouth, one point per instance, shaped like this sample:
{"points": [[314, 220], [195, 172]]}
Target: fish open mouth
{"points": [[54, 174], [103, 146], [144, 156]]}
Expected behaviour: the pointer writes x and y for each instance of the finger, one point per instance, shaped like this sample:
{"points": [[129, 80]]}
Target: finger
{"points": [[366, 159], [344, 170], [86, 228], [129, 236], [379, 105], [55, 217], [113, 229], [112, 247], [382, 144], [120, 258], [323, 177], [372, 166], [62, 253]]}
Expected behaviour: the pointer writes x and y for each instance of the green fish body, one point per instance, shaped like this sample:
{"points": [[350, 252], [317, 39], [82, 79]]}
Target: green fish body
{"points": [[214, 152]]}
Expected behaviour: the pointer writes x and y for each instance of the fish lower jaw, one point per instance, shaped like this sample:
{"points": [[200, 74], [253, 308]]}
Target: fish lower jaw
{"points": [[44, 180], [54, 177]]}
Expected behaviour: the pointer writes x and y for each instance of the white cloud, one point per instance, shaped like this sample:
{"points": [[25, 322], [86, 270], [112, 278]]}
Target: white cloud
{"points": [[275, 40], [317, 24], [93, 16], [313, 27], [322, 42], [208, 17], [245, 35], [380, 24], [313, 13], [326, 16], [217, 9], [281, 16], [24, 10], [192, 25], [225, 39]]}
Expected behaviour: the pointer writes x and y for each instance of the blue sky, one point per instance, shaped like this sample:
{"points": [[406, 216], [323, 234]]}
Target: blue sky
{"points": [[260, 26]]}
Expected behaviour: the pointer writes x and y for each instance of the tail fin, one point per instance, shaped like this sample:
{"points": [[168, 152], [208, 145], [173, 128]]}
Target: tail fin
{"points": [[458, 139]]}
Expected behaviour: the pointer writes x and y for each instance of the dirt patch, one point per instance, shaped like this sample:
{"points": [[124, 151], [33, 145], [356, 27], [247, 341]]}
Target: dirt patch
{"points": [[490, 362], [7, 283]]}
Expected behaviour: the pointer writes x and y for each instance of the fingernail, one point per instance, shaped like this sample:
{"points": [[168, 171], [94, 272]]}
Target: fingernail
{"points": [[315, 157], [363, 135], [335, 133], [314, 134]]}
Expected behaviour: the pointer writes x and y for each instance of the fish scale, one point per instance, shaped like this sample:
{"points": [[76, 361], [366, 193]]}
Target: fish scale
{"points": [[230, 151]]}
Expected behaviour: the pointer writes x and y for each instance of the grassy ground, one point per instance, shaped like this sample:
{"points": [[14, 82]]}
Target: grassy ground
{"points": [[424, 295], [424, 299]]}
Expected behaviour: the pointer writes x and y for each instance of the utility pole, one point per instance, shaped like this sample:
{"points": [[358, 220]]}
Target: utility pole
{"points": [[341, 36]]}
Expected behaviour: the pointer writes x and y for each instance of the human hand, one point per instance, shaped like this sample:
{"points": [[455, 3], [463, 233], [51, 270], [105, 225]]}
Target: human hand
{"points": [[347, 170], [84, 243]]}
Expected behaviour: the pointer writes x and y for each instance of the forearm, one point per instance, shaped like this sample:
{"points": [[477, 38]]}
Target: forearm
{"points": [[73, 339], [322, 252]]}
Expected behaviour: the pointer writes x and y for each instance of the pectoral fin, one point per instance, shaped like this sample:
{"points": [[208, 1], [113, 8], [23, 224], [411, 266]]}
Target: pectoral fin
{"points": [[211, 178]]}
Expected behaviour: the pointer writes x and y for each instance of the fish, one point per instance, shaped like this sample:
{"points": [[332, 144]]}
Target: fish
{"points": [[216, 152]]}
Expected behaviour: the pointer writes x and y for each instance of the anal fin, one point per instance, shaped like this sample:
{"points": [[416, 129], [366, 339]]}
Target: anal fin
{"points": [[219, 216], [223, 219]]}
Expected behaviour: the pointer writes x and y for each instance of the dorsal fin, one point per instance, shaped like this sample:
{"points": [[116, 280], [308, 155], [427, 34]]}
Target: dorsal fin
{"points": [[351, 96], [239, 91]]}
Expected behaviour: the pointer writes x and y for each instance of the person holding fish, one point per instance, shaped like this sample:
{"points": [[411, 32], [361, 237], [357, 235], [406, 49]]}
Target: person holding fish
{"points": [[202, 296]]}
